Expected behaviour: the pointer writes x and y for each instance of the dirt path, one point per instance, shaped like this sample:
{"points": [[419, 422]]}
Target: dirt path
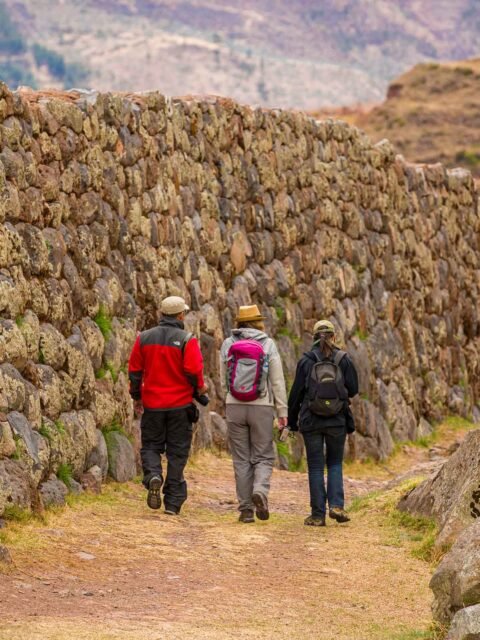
{"points": [[110, 568]]}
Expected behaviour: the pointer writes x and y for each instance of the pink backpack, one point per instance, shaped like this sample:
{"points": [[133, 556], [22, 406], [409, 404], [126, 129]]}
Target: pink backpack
{"points": [[245, 370]]}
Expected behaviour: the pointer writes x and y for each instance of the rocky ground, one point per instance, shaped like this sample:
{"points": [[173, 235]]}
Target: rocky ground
{"points": [[108, 567]]}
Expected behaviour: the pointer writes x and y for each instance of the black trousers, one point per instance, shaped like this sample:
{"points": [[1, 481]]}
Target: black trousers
{"points": [[168, 432]]}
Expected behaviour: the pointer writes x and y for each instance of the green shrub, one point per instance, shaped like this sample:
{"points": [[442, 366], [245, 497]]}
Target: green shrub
{"points": [[360, 503], [280, 312], [471, 158], [45, 432], [65, 474], [458, 423], [361, 335], [108, 368], [17, 454], [464, 71], [115, 426], [60, 427], [14, 513], [285, 331], [104, 322]]}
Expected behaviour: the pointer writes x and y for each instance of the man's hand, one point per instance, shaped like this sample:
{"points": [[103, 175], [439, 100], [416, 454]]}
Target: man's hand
{"points": [[282, 423], [138, 407], [203, 391]]}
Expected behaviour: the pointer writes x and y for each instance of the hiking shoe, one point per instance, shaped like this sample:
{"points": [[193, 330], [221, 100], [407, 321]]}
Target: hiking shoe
{"points": [[171, 511], [339, 514], [261, 506], [246, 516], [313, 521], [154, 499]]}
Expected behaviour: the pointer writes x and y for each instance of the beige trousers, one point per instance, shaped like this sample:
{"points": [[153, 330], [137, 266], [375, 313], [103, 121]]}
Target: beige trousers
{"points": [[250, 434]]}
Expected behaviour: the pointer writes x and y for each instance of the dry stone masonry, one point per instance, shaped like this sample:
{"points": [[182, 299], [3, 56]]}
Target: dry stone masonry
{"points": [[110, 202]]}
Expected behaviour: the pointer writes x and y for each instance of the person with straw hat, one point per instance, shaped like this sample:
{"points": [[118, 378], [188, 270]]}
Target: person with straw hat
{"points": [[166, 372], [318, 405], [252, 375]]}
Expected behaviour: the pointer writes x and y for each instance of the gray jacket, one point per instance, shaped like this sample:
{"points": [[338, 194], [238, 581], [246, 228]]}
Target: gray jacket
{"points": [[276, 391]]}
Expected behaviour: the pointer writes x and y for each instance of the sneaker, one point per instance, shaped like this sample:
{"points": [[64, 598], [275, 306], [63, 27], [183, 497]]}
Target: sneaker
{"points": [[154, 499], [171, 511], [314, 521], [339, 514], [261, 506], [246, 516]]}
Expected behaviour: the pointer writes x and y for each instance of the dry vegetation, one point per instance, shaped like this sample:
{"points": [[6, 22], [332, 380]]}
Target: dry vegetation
{"points": [[203, 574], [431, 114], [108, 568]]}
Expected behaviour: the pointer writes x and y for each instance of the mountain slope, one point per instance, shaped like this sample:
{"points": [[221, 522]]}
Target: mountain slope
{"points": [[431, 114], [276, 53]]}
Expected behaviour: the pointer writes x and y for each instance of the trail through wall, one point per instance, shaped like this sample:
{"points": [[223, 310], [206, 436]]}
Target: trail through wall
{"points": [[110, 202]]}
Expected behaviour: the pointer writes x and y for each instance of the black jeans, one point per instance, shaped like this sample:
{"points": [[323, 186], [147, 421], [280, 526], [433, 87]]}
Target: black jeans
{"points": [[167, 432], [333, 440]]}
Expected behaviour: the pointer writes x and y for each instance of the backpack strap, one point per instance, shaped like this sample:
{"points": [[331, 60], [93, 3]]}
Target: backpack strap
{"points": [[188, 336], [190, 378], [338, 357]]}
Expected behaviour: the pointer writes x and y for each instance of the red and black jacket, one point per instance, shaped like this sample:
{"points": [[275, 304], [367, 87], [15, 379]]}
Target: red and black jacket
{"points": [[165, 367]]}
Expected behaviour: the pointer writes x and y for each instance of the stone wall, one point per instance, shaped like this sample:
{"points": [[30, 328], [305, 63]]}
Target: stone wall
{"points": [[110, 202]]}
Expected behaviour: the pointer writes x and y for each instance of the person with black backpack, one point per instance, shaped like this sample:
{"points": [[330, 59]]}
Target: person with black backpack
{"points": [[318, 406]]}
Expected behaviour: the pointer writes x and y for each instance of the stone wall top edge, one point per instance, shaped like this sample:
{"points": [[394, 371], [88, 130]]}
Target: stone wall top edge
{"points": [[86, 99]]}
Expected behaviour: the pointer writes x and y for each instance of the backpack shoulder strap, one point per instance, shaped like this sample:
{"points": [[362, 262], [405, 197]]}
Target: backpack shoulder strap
{"points": [[187, 337], [317, 357], [338, 357]]}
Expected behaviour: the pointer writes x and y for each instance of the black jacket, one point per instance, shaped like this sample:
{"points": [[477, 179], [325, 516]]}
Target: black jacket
{"points": [[299, 415]]}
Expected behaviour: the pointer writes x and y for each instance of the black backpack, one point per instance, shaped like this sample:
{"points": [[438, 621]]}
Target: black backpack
{"points": [[326, 388]]}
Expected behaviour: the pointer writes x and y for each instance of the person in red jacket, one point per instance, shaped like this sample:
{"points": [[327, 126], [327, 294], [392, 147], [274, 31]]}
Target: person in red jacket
{"points": [[165, 371]]}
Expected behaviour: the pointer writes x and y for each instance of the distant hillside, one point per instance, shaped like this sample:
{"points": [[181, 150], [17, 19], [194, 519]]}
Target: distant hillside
{"points": [[23, 61], [431, 114], [287, 53]]}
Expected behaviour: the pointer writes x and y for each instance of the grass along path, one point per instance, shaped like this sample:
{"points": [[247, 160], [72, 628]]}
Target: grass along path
{"points": [[109, 568]]}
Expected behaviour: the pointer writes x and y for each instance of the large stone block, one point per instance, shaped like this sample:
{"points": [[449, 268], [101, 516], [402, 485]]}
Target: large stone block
{"points": [[456, 581], [98, 456], [452, 495], [121, 457], [53, 492], [466, 624]]}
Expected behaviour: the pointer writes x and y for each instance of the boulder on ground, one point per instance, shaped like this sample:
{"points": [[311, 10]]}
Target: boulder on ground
{"points": [[5, 556], [15, 485], [219, 431], [75, 487], [121, 457], [452, 495], [456, 582], [53, 492], [372, 438], [466, 624], [91, 480], [98, 456]]}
